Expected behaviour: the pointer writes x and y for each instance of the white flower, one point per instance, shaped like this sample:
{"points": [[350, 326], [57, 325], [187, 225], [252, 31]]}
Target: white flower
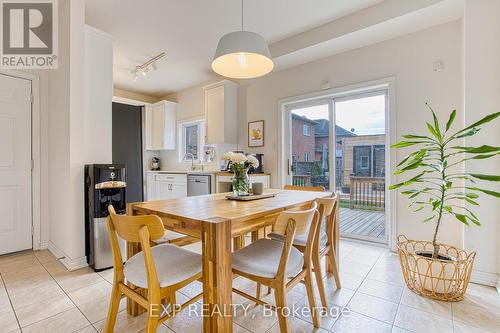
{"points": [[254, 162], [238, 158], [228, 155]]}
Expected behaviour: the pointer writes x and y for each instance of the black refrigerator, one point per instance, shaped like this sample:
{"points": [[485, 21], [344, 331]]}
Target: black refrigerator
{"points": [[127, 147]]}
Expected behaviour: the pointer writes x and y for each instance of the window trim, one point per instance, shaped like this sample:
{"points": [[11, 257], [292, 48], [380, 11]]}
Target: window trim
{"points": [[181, 129], [307, 156], [308, 132]]}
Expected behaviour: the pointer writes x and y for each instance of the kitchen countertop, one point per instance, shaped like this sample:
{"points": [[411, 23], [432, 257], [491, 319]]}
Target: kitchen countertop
{"points": [[217, 173], [226, 173], [184, 172]]}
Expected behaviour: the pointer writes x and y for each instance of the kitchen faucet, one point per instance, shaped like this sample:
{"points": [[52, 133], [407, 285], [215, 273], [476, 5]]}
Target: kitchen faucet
{"points": [[193, 167]]}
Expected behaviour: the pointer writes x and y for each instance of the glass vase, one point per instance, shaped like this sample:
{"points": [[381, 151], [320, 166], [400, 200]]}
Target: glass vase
{"points": [[241, 182]]}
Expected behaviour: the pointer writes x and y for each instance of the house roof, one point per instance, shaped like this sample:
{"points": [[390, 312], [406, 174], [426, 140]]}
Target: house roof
{"points": [[322, 129], [304, 119]]}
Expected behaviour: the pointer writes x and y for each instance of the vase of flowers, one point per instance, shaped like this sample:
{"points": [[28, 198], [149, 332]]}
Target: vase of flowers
{"points": [[239, 164]]}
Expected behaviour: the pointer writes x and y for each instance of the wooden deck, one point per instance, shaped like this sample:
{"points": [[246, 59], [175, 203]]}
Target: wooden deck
{"points": [[363, 224]]}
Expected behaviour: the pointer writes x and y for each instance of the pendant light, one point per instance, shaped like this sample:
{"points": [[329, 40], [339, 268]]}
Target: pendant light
{"points": [[242, 55]]}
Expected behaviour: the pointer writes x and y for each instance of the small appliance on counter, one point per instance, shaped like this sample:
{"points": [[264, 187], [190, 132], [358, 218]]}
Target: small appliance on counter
{"points": [[260, 168], [155, 163], [105, 184]]}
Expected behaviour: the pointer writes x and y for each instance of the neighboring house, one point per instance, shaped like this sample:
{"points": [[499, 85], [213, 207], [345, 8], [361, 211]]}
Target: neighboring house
{"points": [[357, 155], [303, 141], [363, 156]]}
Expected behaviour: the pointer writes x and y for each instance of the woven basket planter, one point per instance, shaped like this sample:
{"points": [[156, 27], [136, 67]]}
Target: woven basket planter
{"points": [[441, 279]]}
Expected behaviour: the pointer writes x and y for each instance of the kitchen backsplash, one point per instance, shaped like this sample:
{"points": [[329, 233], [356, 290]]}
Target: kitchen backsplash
{"points": [[170, 159]]}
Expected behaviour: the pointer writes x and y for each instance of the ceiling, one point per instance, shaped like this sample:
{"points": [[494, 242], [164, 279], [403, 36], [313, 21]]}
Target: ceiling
{"points": [[188, 31]]}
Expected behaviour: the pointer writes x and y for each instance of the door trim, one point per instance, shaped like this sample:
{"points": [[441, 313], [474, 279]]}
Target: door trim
{"points": [[36, 145], [388, 84]]}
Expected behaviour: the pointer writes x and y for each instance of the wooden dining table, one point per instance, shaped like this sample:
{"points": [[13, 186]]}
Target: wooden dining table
{"points": [[215, 220]]}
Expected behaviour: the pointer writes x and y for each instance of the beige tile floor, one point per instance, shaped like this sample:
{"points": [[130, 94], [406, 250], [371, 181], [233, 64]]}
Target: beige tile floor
{"points": [[37, 294]]}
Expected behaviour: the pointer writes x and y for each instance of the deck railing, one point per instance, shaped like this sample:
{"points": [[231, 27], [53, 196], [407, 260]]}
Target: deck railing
{"points": [[367, 193], [299, 180]]}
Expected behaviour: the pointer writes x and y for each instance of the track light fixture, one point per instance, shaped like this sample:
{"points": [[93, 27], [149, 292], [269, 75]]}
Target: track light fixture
{"points": [[146, 67]]}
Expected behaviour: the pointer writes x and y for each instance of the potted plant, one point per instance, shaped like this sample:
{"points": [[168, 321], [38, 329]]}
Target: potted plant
{"points": [[438, 185], [239, 164]]}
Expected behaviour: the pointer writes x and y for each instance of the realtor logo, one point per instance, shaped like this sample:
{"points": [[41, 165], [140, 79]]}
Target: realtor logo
{"points": [[29, 34]]}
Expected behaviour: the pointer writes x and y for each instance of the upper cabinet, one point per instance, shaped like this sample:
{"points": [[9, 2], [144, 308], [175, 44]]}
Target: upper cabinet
{"points": [[161, 125], [221, 104]]}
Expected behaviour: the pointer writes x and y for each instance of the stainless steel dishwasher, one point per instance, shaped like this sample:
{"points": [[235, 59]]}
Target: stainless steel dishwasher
{"points": [[198, 185]]}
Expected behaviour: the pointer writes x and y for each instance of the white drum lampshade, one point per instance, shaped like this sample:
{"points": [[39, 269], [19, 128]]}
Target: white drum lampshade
{"points": [[242, 55]]}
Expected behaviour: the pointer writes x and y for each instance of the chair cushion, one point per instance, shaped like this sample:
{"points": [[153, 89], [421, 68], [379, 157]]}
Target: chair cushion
{"points": [[173, 265], [168, 236], [301, 240], [262, 258]]}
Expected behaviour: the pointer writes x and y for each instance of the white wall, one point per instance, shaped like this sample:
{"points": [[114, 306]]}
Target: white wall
{"points": [[410, 60], [482, 97], [59, 143], [98, 89], [79, 132]]}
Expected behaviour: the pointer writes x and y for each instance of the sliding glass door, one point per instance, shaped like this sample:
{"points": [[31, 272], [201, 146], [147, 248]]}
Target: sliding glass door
{"points": [[340, 144], [360, 137], [309, 143]]}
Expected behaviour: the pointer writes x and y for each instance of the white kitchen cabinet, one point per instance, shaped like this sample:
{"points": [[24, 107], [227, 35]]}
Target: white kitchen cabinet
{"points": [[150, 186], [221, 104], [166, 186], [161, 122]]}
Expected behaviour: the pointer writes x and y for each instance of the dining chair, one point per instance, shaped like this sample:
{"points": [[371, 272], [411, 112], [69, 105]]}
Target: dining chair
{"points": [[278, 264], [263, 231], [162, 269], [324, 244], [304, 188]]}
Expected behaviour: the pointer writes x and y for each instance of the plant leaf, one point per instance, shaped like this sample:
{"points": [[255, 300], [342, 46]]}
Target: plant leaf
{"points": [[470, 132], [491, 178], [413, 165], [405, 144], [489, 192], [407, 182], [472, 202], [429, 218], [478, 150], [461, 218], [484, 120], [474, 220], [481, 157], [451, 119], [412, 136], [472, 195], [433, 131]]}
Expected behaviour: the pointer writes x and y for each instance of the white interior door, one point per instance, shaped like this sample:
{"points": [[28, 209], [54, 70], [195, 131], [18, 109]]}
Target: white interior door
{"points": [[15, 164]]}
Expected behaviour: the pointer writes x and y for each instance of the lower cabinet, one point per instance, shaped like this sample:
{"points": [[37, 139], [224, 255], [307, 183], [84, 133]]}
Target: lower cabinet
{"points": [[166, 186]]}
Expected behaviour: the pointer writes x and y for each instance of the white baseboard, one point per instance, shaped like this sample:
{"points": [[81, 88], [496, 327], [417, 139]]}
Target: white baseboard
{"points": [[74, 264], [44, 245], [69, 263], [485, 278]]}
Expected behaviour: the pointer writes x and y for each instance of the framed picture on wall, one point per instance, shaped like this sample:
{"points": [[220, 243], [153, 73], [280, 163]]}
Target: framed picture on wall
{"points": [[256, 133]]}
